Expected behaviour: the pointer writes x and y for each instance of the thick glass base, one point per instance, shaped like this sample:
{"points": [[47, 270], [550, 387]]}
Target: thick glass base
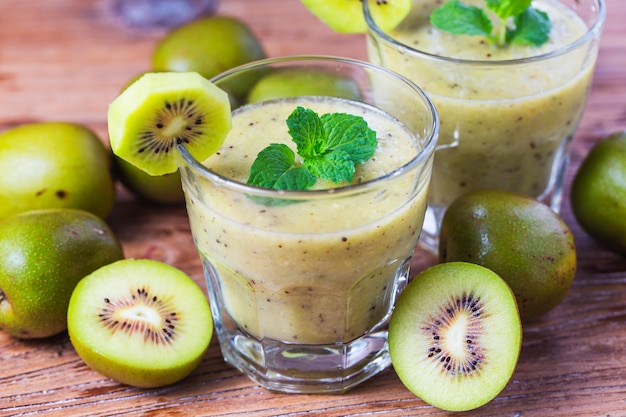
{"points": [[305, 369]]}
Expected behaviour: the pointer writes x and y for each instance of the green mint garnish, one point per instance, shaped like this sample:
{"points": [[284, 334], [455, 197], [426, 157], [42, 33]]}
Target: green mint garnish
{"points": [[529, 25], [329, 147]]}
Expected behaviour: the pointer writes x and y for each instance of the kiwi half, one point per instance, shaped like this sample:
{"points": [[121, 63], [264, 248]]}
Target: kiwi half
{"points": [[141, 322], [346, 16], [455, 336], [161, 110]]}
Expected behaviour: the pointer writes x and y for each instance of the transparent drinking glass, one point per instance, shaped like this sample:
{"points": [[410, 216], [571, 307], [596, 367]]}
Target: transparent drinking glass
{"points": [[302, 283], [507, 121]]}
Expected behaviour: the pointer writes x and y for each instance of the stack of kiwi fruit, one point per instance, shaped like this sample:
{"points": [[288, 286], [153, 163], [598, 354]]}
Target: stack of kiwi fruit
{"points": [[456, 332]]}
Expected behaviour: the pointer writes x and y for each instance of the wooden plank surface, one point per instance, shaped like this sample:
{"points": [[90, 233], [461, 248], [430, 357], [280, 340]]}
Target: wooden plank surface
{"points": [[67, 59]]}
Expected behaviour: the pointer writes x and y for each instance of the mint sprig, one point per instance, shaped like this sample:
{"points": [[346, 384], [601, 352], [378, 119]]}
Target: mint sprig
{"points": [[519, 22], [329, 147]]}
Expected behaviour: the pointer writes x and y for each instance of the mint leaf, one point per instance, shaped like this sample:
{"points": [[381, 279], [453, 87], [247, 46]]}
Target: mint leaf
{"points": [[459, 19], [349, 134], [531, 26], [330, 147], [334, 166], [307, 131], [274, 168], [508, 8]]}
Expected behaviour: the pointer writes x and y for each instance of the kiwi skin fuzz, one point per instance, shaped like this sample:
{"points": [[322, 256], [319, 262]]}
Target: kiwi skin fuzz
{"points": [[140, 322], [455, 336]]}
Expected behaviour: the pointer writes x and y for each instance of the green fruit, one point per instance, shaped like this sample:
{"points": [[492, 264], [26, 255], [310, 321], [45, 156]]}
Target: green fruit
{"points": [[162, 110], [598, 193], [209, 46], [346, 16], [54, 165], [140, 322], [455, 336], [519, 238], [302, 82], [161, 189], [43, 255]]}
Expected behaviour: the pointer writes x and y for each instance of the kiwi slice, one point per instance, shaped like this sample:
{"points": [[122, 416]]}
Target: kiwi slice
{"points": [[161, 110], [346, 16], [141, 322], [455, 336]]}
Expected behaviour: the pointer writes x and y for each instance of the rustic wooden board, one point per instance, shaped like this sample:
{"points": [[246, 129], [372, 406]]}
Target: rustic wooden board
{"points": [[67, 59]]}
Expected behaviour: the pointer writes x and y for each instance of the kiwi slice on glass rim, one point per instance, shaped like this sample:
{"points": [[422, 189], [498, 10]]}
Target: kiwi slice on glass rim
{"points": [[455, 336], [346, 16], [161, 110], [140, 322]]}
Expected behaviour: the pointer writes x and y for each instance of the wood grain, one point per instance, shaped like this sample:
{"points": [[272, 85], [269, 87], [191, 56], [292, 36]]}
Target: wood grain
{"points": [[67, 59]]}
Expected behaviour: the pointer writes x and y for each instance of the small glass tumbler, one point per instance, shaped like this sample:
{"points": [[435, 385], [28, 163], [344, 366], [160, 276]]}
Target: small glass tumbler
{"points": [[507, 121], [302, 283]]}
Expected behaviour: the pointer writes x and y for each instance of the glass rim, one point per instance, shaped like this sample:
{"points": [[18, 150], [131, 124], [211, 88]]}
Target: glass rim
{"points": [[423, 154], [592, 32]]}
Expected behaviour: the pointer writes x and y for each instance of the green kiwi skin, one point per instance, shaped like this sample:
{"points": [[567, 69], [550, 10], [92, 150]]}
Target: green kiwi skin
{"points": [[54, 165], [43, 255], [598, 193], [290, 82], [161, 189], [208, 46], [519, 238]]}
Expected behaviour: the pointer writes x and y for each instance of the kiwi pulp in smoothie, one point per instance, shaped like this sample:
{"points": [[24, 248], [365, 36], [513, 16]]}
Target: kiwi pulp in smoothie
{"points": [[502, 126], [322, 270]]}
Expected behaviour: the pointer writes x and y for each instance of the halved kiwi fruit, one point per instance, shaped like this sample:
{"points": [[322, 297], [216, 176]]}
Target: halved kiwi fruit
{"points": [[141, 322], [162, 110], [346, 16], [455, 336]]}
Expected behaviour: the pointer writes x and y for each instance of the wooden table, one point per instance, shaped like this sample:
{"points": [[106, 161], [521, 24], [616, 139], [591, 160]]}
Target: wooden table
{"points": [[67, 59]]}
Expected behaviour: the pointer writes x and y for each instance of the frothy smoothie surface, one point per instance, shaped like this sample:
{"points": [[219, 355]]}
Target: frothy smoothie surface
{"points": [[502, 126], [418, 33], [322, 270]]}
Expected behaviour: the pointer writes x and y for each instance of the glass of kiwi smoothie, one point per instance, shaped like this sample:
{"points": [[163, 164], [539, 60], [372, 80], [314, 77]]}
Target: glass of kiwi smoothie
{"points": [[508, 110], [302, 279]]}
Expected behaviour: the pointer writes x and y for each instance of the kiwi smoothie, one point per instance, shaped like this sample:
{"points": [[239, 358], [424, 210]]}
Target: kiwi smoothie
{"points": [[324, 269], [506, 118]]}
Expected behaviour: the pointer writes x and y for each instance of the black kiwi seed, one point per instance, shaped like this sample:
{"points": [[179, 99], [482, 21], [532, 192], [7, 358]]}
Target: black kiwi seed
{"points": [[154, 139], [114, 315], [473, 358]]}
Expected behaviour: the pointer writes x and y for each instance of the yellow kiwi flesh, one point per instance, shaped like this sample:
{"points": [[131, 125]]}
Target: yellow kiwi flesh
{"points": [[161, 110], [455, 336], [346, 16]]}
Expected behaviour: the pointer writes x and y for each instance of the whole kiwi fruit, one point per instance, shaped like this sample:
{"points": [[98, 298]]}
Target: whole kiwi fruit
{"points": [[598, 194], [519, 238], [208, 46], [43, 255], [54, 165]]}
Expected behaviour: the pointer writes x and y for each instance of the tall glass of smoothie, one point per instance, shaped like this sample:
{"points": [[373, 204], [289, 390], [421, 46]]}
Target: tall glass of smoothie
{"points": [[302, 283], [508, 114]]}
